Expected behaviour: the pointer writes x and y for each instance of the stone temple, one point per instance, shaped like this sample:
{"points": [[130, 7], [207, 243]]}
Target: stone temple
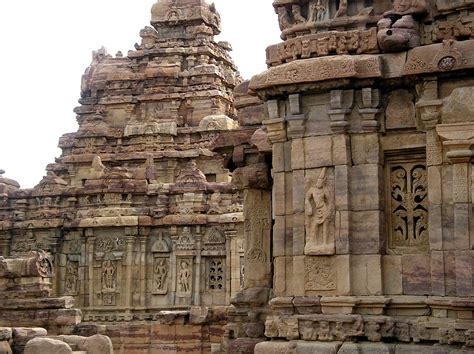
{"points": [[324, 206]]}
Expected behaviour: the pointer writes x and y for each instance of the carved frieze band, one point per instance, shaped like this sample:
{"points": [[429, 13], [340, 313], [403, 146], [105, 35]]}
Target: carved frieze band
{"points": [[319, 69]]}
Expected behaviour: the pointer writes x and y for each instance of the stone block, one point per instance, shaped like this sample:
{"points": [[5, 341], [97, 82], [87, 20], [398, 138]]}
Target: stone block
{"points": [[162, 333], [279, 276], [300, 347], [416, 270], [342, 232], [464, 273], [278, 157], [298, 234], [437, 273], [47, 345], [366, 232], [298, 192], [400, 112], [279, 241], [461, 226], [288, 193], [289, 235], [297, 154], [434, 185], [365, 149], [318, 151], [341, 151], [366, 275], [98, 344], [279, 197], [342, 186], [22, 335], [298, 285], [435, 228], [367, 191], [367, 348]]}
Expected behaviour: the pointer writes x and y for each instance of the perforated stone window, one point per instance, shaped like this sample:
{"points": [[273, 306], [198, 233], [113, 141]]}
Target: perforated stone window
{"points": [[407, 205], [216, 274]]}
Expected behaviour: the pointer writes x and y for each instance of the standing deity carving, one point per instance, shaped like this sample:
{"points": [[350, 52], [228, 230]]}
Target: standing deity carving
{"points": [[109, 274], [71, 284], [319, 208], [184, 278], [160, 282]]}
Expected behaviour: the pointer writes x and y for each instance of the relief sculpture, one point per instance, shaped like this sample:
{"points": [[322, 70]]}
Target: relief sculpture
{"points": [[319, 209], [409, 211], [71, 284], [160, 272], [185, 278]]}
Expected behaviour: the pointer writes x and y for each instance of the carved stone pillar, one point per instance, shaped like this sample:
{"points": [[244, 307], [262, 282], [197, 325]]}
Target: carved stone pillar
{"points": [[341, 105], [458, 143]]}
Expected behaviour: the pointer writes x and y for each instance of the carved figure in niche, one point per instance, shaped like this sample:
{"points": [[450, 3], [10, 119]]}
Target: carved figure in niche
{"points": [[109, 271], [161, 271], [307, 330], [184, 277], [324, 332], [297, 16], [317, 11], [319, 208], [72, 278]]}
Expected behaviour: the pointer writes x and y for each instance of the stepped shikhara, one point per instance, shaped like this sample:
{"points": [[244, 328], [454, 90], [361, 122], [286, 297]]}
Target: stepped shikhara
{"points": [[139, 214], [335, 218]]}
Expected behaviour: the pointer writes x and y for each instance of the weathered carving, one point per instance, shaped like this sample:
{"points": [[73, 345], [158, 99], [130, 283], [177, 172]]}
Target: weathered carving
{"points": [[184, 277], [319, 209], [320, 273], [160, 276], [71, 281], [408, 206]]}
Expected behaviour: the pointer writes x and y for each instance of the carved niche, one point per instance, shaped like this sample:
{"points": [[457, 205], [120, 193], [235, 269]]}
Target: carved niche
{"points": [[319, 210], [408, 206], [109, 252], [214, 239], [71, 279], [184, 276], [161, 266]]}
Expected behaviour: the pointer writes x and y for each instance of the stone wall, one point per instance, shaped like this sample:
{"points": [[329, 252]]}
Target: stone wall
{"points": [[371, 171]]}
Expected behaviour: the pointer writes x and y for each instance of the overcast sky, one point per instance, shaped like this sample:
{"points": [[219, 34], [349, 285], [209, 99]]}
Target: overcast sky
{"points": [[47, 45]]}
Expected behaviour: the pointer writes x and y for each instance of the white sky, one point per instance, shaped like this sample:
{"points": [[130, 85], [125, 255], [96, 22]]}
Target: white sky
{"points": [[47, 45]]}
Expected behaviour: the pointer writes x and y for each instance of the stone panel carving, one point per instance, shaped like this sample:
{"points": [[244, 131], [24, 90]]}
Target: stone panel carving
{"points": [[184, 277], [408, 207], [320, 273], [71, 280], [161, 271], [319, 69], [319, 210]]}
